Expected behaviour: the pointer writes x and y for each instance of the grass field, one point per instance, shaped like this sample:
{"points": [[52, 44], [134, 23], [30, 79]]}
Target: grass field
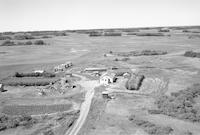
{"points": [[164, 74]]}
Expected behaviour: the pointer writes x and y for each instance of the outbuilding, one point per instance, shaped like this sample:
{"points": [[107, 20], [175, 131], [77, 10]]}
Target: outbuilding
{"points": [[1, 87], [39, 71]]}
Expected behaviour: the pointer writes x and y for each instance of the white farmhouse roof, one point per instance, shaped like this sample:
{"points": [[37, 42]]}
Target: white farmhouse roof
{"points": [[107, 74]]}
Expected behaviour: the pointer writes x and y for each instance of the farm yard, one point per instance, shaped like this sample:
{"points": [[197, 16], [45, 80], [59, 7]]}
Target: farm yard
{"points": [[113, 82]]}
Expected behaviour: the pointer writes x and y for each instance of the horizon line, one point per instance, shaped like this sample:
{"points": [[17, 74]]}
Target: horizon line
{"points": [[106, 28]]}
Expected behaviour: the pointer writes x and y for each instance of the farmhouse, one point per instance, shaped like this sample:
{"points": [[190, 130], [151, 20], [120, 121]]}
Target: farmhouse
{"points": [[107, 78]]}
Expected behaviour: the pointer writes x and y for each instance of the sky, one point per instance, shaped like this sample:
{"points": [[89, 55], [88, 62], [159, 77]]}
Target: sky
{"points": [[30, 15]]}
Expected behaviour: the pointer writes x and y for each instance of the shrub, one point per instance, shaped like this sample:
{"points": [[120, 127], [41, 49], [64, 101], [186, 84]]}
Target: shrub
{"points": [[194, 36], [140, 53], [181, 104], [46, 36], [132, 33], [28, 81], [112, 34], [5, 38], [8, 33], [23, 37], [45, 74], [164, 30], [28, 43], [134, 82], [60, 34], [191, 31], [7, 121], [150, 34], [39, 42], [192, 54], [95, 34], [25, 43], [8, 43], [153, 52], [151, 128], [125, 59]]}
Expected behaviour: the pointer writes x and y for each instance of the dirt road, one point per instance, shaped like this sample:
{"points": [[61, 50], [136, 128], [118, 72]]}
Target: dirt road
{"points": [[89, 86]]}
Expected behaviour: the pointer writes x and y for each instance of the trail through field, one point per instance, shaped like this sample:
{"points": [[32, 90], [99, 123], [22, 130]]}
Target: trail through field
{"points": [[89, 86]]}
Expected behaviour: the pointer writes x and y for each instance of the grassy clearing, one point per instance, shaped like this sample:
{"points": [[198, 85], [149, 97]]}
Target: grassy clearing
{"points": [[34, 109], [151, 128], [180, 104]]}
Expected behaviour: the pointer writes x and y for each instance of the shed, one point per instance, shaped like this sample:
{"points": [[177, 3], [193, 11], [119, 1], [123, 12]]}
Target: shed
{"points": [[68, 74], [95, 69], [1, 87], [39, 71]]}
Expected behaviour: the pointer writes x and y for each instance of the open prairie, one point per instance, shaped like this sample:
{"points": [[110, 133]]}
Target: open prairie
{"points": [[76, 104]]}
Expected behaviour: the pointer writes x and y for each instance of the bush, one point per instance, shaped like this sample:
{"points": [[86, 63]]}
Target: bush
{"points": [[8, 33], [46, 36], [25, 43], [112, 34], [95, 34], [28, 43], [164, 30], [192, 54], [23, 37], [132, 33], [140, 53], [191, 31], [60, 34], [151, 128], [181, 104], [45, 74], [134, 82], [8, 43], [150, 34], [28, 81], [194, 36], [5, 38], [39, 42], [7, 121]]}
